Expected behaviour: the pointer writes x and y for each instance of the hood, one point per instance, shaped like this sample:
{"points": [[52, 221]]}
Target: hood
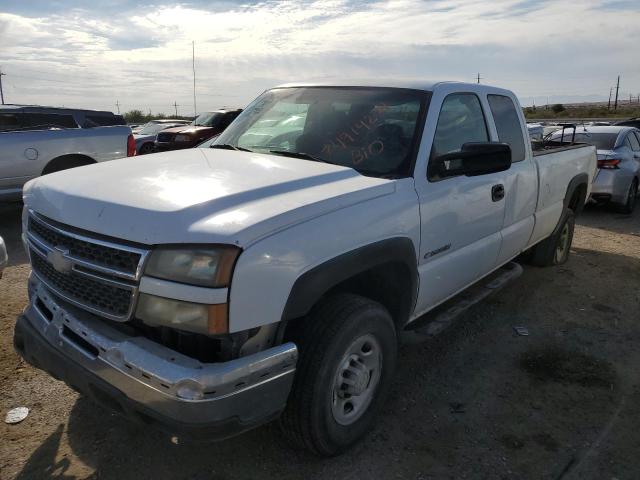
{"points": [[198, 195], [186, 129]]}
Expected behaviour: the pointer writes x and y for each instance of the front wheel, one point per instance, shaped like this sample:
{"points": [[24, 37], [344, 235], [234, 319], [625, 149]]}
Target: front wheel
{"points": [[348, 353]]}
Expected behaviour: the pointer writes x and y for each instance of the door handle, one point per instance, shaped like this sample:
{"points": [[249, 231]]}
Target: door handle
{"points": [[497, 192]]}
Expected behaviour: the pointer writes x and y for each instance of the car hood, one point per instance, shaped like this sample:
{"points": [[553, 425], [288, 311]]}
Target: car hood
{"points": [[198, 195], [186, 129]]}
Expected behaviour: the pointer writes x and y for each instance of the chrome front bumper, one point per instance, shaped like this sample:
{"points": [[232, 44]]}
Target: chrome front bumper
{"points": [[147, 381]]}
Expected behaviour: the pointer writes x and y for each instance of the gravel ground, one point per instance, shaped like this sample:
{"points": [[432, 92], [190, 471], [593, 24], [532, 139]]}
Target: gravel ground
{"points": [[476, 402]]}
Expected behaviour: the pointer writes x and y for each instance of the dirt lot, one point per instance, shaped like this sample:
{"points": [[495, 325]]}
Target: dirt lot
{"points": [[476, 402]]}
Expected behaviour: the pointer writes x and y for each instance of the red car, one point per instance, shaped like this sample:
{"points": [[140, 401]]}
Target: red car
{"points": [[205, 126]]}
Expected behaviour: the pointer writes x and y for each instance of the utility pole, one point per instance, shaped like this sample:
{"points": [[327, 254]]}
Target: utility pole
{"points": [[610, 93], [118, 106], [615, 107], [193, 64], [479, 77], [175, 106], [1, 92]]}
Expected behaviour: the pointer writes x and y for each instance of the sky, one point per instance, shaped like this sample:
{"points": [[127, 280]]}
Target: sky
{"points": [[111, 54]]}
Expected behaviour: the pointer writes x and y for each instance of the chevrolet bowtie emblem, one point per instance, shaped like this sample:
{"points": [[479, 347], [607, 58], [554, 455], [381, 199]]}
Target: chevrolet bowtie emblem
{"points": [[58, 260]]}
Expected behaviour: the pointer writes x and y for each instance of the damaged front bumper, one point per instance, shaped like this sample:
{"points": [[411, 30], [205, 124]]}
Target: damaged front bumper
{"points": [[147, 381]]}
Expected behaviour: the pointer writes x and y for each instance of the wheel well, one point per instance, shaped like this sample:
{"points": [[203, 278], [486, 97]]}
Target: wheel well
{"points": [[391, 284], [576, 202], [65, 162]]}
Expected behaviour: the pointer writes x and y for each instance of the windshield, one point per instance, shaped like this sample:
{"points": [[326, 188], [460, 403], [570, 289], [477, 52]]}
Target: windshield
{"points": [[153, 128], [208, 119], [372, 130], [602, 141]]}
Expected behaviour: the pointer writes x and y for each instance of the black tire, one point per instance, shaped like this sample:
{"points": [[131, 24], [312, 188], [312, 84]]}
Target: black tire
{"points": [[555, 249], [632, 195], [330, 331], [146, 148]]}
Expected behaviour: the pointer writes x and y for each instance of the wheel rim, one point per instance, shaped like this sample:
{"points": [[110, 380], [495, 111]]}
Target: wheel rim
{"points": [[356, 380], [563, 243]]}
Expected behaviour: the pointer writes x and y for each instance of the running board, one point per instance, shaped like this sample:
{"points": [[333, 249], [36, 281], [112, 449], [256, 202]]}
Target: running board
{"points": [[437, 320]]}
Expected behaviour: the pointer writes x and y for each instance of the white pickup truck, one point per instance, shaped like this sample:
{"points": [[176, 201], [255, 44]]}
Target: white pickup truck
{"points": [[210, 290], [30, 152]]}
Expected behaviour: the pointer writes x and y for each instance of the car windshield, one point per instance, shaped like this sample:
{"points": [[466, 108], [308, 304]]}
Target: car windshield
{"points": [[208, 119], [152, 128], [373, 130], [602, 141]]}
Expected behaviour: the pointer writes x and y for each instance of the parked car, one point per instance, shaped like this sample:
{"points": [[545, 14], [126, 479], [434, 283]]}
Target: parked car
{"points": [[205, 126], [17, 116], [618, 174], [146, 136], [536, 131], [4, 258], [207, 291], [40, 150], [632, 122]]}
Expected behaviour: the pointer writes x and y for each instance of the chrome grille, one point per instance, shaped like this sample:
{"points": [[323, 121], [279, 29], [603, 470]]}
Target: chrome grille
{"points": [[102, 255], [94, 274], [105, 298]]}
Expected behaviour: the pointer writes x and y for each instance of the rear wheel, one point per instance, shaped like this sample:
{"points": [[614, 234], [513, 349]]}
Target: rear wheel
{"points": [[555, 249], [347, 358], [632, 196]]}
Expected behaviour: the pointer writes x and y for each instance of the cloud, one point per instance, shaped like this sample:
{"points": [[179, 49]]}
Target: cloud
{"points": [[140, 54]]}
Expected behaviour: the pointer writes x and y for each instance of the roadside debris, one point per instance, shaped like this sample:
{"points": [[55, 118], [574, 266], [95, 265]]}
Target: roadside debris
{"points": [[16, 415], [522, 331]]}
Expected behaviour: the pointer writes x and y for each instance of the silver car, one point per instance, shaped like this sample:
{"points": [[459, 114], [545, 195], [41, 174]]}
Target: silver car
{"points": [[146, 136], [618, 173]]}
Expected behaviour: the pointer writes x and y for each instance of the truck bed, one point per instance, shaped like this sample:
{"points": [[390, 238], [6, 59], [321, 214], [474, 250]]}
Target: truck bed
{"points": [[544, 148]]}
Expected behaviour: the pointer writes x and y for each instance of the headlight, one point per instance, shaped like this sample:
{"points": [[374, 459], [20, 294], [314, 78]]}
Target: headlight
{"points": [[182, 138], [192, 317], [203, 267]]}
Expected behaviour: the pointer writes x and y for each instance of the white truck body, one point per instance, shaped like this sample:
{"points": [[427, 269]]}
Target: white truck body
{"points": [[26, 154], [293, 218]]}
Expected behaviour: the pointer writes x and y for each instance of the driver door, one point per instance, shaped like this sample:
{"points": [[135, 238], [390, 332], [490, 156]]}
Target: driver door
{"points": [[461, 217]]}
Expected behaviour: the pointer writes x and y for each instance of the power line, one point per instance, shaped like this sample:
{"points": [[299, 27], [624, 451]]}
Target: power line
{"points": [[193, 64]]}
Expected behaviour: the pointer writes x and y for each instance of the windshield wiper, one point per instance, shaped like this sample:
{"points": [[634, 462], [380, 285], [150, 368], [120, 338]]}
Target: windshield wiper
{"points": [[228, 146], [302, 155]]}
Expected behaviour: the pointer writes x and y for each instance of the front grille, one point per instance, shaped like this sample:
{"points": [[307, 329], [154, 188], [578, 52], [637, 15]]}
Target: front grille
{"points": [[95, 274], [108, 257], [165, 137], [94, 294]]}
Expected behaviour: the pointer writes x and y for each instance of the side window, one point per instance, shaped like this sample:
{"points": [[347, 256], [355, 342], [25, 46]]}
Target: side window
{"points": [[627, 142], [461, 121], [637, 136], [635, 145], [507, 122]]}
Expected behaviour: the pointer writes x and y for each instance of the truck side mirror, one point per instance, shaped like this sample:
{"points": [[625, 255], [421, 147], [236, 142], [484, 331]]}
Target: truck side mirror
{"points": [[473, 159]]}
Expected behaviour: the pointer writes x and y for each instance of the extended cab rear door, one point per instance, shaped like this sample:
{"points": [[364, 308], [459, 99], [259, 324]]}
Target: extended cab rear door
{"points": [[461, 217], [521, 180]]}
